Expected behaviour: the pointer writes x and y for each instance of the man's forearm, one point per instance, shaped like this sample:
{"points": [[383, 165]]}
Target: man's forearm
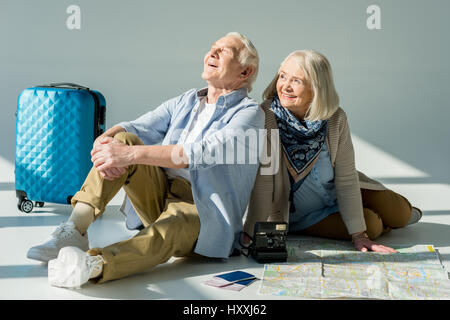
{"points": [[169, 156]]}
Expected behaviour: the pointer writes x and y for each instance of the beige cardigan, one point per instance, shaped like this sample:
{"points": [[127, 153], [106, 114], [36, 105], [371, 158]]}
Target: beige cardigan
{"points": [[270, 196]]}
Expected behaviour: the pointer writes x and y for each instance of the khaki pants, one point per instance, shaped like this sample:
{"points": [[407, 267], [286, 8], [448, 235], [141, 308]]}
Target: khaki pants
{"points": [[383, 210], [166, 209]]}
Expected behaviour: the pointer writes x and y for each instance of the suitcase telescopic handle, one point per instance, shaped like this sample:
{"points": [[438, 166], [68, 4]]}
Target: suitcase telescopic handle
{"points": [[66, 84]]}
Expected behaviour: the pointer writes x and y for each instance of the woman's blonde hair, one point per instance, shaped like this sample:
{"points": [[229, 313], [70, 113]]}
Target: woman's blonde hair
{"points": [[318, 73]]}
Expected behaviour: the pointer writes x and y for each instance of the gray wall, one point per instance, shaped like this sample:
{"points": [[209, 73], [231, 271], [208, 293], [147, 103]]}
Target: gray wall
{"points": [[393, 82]]}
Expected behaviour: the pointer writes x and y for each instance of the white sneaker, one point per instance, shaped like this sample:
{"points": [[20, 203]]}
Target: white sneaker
{"points": [[416, 215], [65, 235], [73, 268]]}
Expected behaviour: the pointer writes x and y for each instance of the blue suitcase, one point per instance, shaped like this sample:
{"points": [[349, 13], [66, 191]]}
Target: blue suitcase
{"points": [[56, 126]]}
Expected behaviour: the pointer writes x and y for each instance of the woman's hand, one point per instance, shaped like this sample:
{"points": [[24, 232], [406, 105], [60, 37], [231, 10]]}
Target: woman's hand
{"points": [[110, 161], [362, 243]]}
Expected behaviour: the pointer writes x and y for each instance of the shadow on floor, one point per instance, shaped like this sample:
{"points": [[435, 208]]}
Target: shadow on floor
{"points": [[4, 186], [32, 221], [170, 280], [436, 212], [420, 233], [24, 271], [50, 215]]}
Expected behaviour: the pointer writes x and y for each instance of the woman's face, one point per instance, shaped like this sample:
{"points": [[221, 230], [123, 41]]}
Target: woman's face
{"points": [[293, 90]]}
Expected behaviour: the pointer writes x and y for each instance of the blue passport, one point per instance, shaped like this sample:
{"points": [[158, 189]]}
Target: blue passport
{"points": [[238, 277]]}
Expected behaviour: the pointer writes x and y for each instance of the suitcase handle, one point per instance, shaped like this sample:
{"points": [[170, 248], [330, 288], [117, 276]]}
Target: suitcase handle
{"points": [[67, 84], [99, 110]]}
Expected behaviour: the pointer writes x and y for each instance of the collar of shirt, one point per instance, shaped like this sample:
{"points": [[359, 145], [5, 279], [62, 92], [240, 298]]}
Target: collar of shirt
{"points": [[225, 100]]}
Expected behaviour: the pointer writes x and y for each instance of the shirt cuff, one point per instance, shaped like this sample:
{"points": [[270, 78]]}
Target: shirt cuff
{"points": [[127, 126], [356, 225]]}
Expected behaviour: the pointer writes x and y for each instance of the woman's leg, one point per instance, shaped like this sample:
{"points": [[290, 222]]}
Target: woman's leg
{"points": [[333, 226], [394, 209]]}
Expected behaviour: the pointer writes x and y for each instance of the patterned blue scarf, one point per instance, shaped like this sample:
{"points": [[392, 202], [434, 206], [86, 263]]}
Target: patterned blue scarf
{"points": [[302, 142]]}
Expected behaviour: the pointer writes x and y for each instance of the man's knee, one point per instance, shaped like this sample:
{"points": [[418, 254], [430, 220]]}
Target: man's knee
{"points": [[129, 138], [175, 230], [173, 223]]}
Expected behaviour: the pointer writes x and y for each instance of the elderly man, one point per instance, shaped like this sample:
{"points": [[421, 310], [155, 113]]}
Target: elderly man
{"points": [[181, 203]]}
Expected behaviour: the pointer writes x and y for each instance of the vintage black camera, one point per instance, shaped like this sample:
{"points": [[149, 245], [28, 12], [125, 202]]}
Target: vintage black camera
{"points": [[269, 242]]}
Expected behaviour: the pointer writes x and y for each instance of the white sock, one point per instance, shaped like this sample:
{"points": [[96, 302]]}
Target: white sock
{"points": [[82, 216]]}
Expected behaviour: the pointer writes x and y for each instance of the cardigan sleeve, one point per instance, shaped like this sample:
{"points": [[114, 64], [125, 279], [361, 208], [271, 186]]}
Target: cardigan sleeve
{"points": [[261, 199], [346, 181], [261, 203]]}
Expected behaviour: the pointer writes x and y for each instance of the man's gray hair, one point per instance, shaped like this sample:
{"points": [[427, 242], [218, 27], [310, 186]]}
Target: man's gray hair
{"points": [[247, 57]]}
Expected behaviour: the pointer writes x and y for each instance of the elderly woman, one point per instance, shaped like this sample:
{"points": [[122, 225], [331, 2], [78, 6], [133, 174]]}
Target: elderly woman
{"points": [[317, 188]]}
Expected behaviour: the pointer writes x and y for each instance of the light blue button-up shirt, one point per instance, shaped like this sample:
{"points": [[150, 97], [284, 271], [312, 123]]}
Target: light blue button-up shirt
{"points": [[316, 197], [221, 188]]}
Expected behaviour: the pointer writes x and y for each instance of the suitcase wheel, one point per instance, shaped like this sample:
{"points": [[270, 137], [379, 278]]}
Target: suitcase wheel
{"points": [[39, 204], [26, 206]]}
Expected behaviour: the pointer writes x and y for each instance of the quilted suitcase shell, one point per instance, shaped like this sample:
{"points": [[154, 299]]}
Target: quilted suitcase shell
{"points": [[55, 129]]}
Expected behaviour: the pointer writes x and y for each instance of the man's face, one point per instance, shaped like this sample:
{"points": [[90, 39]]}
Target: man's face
{"points": [[221, 67]]}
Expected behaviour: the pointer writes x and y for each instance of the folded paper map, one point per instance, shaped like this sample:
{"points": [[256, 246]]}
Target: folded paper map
{"points": [[334, 269]]}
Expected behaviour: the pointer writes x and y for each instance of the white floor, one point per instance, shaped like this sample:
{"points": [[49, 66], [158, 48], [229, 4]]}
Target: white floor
{"points": [[21, 278]]}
